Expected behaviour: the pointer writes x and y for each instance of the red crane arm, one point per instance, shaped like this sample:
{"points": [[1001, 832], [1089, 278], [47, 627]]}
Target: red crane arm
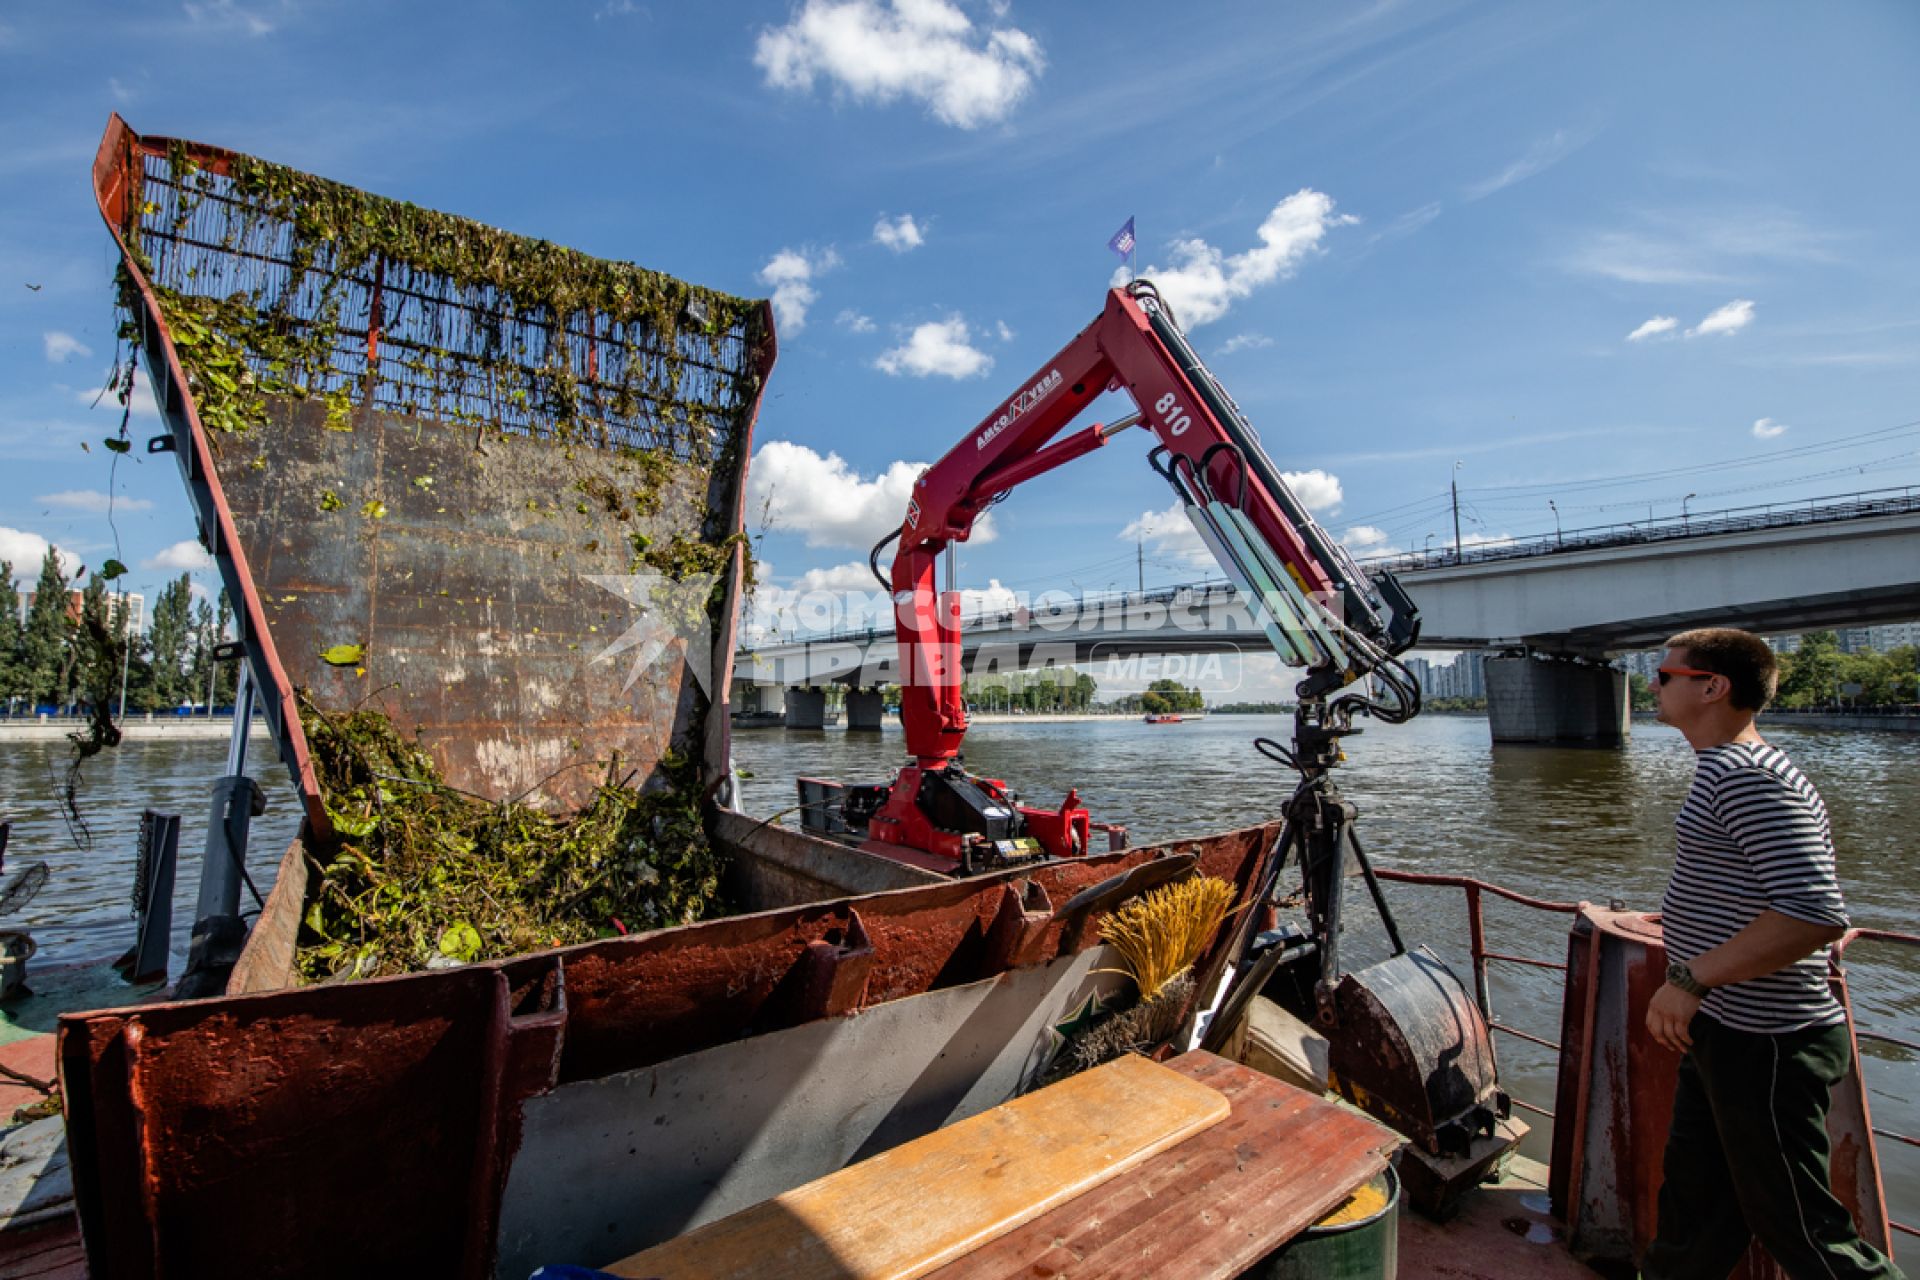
{"points": [[1132, 347]]}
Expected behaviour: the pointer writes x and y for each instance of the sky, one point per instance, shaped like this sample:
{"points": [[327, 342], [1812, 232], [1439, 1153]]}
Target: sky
{"points": [[1622, 259]]}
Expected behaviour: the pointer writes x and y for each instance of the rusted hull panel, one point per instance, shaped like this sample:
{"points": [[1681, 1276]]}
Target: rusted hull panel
{"points": [[1613, 1102], [176, 1111], [466, 581], [471, 594]]}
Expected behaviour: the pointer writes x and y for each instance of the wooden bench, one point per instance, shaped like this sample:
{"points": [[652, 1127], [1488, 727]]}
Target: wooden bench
{"points": [[1196, 1169]]}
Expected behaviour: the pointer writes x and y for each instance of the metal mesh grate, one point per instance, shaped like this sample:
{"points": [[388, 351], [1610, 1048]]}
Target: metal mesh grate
{"points": [[409, 340]]}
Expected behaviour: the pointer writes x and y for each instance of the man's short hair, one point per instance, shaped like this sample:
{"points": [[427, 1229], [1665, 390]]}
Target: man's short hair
{"points": [[1742, 657]]}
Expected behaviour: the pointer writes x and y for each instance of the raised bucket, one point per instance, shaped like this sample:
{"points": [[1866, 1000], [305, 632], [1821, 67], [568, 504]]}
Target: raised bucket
{"points": [[1360, 1240]]}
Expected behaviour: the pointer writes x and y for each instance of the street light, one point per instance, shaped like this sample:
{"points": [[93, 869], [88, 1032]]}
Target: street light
{"points": [[1556, 524], [1427, 550], [1683, 509]]}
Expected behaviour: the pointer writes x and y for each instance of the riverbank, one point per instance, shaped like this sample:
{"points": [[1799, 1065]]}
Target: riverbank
{"points": [[135, 729], [1840, 720], [773, 720]]}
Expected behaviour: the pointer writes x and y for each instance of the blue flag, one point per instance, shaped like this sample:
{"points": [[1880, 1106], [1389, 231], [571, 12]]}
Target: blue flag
{"points": [[1122, 242]]}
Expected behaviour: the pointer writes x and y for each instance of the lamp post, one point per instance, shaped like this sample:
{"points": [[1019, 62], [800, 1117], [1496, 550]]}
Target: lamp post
{"points": [[1683, 509], [1427, 549], [1557, 540]]}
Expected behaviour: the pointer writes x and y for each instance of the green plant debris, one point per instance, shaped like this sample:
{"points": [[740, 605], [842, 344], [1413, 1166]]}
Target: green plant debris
{"points": [[343, 655], [367, 302], [330, 501], [423, 876]]}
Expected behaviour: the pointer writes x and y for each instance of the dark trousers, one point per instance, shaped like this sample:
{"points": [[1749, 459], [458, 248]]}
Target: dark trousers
{"points": [[1747, 1156]]}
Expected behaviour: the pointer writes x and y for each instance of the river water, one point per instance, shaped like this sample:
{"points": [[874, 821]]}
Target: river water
{"points": [[1434, 795]]}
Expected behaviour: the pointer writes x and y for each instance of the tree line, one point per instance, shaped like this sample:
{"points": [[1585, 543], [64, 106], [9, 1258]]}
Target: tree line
{"points": [[67, 655]]}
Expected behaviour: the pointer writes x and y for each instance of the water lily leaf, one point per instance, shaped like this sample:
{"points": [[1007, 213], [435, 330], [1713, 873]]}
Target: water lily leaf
{"points": [[118, 446], [460, 942], [343, 655], [112, 569]]}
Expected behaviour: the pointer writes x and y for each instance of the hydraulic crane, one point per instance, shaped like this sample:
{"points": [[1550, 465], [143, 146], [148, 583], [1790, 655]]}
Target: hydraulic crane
{"points": [[1408, 1042], [1318, 610]]}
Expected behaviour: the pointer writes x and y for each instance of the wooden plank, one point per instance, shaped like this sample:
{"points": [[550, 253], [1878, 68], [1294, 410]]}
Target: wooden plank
{"points": [[1212, 1206], [907, 1211]]}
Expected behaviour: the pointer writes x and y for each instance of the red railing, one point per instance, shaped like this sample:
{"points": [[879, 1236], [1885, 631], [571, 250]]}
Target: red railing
{"points": [[1483, 958]]}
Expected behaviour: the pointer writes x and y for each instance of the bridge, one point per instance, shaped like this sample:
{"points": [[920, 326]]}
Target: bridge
{"points": [[1554, 607]]}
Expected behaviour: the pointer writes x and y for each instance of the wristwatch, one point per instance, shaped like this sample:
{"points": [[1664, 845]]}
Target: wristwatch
{"points": [[1679, 975]]}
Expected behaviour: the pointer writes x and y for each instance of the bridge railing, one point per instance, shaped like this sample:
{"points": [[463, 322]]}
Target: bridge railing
{"points": [[1187, 592], [1771, 515]]}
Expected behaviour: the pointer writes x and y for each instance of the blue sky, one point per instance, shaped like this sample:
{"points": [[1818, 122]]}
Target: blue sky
{"points": [[1557, 244]]}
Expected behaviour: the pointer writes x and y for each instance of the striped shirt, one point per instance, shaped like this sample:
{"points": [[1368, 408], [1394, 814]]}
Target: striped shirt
{"points": [[1753, 836]]}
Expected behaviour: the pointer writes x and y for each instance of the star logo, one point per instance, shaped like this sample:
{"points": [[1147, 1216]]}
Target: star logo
{"points": [[672, 622]]}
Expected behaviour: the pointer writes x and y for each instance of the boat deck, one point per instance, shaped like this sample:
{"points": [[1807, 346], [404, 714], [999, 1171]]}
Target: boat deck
{"points": [[1502, 1232]]}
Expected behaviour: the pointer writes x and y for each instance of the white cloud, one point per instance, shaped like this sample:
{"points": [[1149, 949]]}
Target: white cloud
{"points": [[1653, 327], [25, 552], [939, 347], [1001, 331], [62, 347], [1691, 248], [900, 234], [927, 50], [992, 597], [186, 556], [826, 501], [91, 501], [142, 400], [1204, 283], [790, 273], [854, 575], [1318, 490], [1768, 429], [1245, 342], [1541, 156], [1170, 535], [227, 13], [1730, 319], [855, 322], [1366, 540]]}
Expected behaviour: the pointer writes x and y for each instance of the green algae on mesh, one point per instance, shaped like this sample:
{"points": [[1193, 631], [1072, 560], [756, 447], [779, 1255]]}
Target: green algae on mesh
{"points": [[513, 294], [422, 875]]}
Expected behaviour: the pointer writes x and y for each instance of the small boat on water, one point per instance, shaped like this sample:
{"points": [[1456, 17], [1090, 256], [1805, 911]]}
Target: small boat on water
{"points": [[1163, 717]]}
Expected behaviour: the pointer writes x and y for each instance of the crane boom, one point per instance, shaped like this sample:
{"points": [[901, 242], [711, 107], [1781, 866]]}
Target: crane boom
{"points": [[1317, 608]]}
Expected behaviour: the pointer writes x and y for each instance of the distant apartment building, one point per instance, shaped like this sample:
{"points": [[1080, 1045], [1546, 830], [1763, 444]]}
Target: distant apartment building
{"points": [[1464, 677], [132, 602]]}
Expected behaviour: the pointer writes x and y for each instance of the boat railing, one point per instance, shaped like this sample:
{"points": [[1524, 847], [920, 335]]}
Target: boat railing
{"points": [[1485, 957], [1911, 942]]}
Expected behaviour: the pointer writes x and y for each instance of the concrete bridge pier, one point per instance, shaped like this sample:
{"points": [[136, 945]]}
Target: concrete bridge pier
{"points": [[1557, 698], [806, 708], [866, 709], [758, 699]]}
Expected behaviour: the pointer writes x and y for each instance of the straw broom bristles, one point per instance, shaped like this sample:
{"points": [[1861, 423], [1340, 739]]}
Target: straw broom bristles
{"points": [[1160, 934]]}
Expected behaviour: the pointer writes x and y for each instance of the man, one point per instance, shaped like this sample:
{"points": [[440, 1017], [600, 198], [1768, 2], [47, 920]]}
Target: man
{"points": [[1748, 917]]}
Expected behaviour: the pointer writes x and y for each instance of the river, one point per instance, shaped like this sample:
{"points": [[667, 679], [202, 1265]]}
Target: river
{"points": [[1434, 795]]}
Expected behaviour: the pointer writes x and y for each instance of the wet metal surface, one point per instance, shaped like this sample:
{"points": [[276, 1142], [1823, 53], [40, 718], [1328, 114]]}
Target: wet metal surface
{"points": [[272, 1111]]}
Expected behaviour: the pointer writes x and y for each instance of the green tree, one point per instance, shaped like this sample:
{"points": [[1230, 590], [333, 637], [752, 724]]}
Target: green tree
{"points": [[1810, 676], [12, 683], [170, 644], [44, 642]]}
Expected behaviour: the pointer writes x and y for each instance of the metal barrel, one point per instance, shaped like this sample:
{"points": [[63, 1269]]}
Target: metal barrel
{"points": [[1365, 1249]]}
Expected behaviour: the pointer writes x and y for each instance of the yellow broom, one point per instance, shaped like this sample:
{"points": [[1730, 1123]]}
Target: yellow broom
{"points": [[1160, 934]]}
